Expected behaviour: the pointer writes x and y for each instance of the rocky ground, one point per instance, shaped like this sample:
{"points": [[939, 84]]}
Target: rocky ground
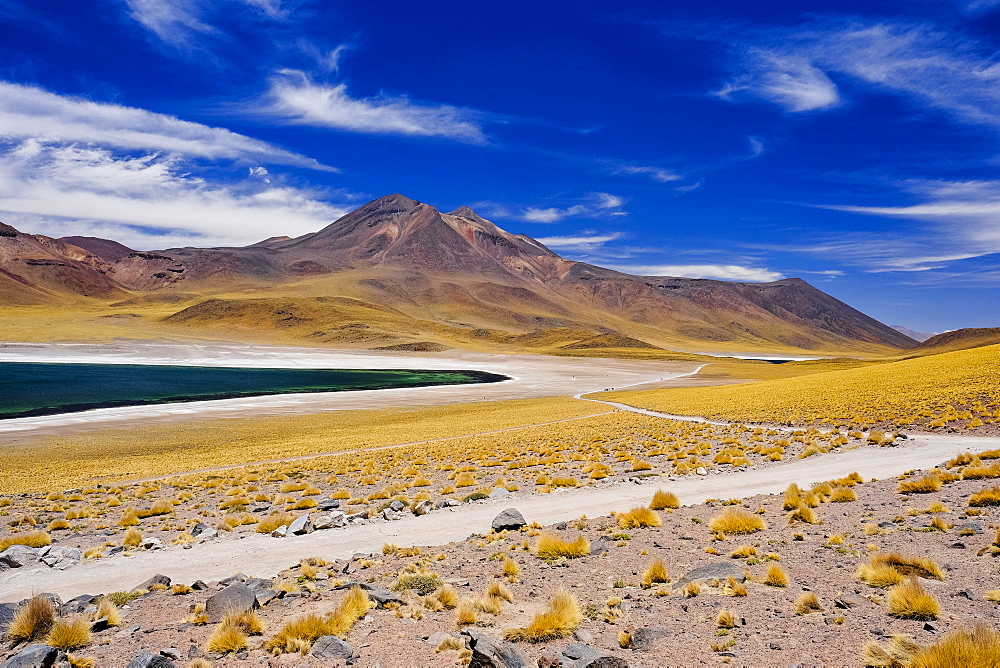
{"points": [[624, 618]]}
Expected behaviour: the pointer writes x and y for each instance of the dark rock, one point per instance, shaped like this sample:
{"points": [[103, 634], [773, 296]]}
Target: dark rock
{"points": [[397, 505], [146, 659], [964, 593], [328, 504], [930, 627], [7, 612], [32, 656], [598, 547], [239, 577], [198, 585], [560, 526], [380, 596], [509, 520], [775, 646], [579, 655], [237, 597], [265, 596], [643, 639], [490, 653], [332, 648], [957, 545], [974, 527], [887, 525], [171, 653], [717, 571], [76, 605], [155, 580]]}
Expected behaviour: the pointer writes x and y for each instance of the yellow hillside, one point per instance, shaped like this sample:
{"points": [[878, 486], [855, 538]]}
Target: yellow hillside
{"points": [[956, 389]]}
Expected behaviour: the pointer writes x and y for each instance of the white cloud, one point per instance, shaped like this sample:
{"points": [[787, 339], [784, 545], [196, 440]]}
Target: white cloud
{"points": [[722, 272], [582, 242], [596, 204], [28, 112], [756, 145], [296, 98], [149, 200]]}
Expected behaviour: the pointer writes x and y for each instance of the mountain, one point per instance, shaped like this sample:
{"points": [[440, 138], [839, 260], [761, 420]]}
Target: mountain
{"points": [[400, 272], [916, 336], [959, 339]]}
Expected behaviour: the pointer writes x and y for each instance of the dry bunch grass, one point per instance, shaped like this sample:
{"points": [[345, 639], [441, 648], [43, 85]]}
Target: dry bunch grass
{"points": [[558, 620], [737, 521]]}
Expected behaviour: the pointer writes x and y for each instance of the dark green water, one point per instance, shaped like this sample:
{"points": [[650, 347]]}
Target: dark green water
{"points": [[44, 389]]}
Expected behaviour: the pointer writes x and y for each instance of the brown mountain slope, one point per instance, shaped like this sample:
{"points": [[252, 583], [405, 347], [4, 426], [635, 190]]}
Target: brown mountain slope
{"points": [[959, 339], [446, 277]]}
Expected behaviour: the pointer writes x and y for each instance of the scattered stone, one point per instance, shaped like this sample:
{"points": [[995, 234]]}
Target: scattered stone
{"points": [[957, 545], [499, 493], [151, 543], [598, 547], [964, 593], [203, 531], [280, 532], [171, 653], [584, 636], [198, 585], [930, 627], [32, 656], [7, 612], [397, 505], [490, 653], [701, 471], [328, 504], [146, 659], [437, 638], [332, 648], [423, 508], [643, 639], [579, 655], [155, 580], [446, 503], [509, 520], [301, 526], [358, 517], [775, 646], [717, 571], [560, 526], [329, 520], [974, 527], [391, 515], [236, 597]]}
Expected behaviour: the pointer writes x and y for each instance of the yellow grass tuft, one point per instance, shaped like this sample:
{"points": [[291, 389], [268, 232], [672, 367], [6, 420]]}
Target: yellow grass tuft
{"points": [[986, 497], [925, 485], [663, 500], [640, 516], [656, 573], [725, 620], [467, 612], [227, 639], [803, 514], [106, 609], [498, 590], [807, 603], [978, 646], [30, 539], [911, 601], [843, 495], [299, 634], [733, 587], [69, 633], [550, 546], [558, 620], [32, 620], [736, 521], [776, 576]]}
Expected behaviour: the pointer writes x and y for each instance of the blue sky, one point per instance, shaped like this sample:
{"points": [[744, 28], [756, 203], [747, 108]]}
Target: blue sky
{"points": [[854, 145]]}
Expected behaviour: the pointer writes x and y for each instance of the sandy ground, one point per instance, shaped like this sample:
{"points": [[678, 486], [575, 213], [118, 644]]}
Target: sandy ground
{"points": [[264, 556], [532, 376]]}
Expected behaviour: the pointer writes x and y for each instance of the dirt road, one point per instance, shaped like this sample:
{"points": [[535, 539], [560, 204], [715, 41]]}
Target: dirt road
{"points": [[265, 556]]}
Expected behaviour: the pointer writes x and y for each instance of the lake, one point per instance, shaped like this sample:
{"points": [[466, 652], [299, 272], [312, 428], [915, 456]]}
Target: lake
{"points": [[30, 388]]}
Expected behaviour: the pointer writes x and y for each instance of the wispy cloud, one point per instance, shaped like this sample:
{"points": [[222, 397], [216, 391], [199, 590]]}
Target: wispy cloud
{"points": [[177, 23], [149, 200], [27, 112], [935, 68], [295, 98], [722, 272], [656, 173]]}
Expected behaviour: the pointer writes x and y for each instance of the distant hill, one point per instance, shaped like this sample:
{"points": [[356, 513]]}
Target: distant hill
{"points": [[916, 336], [397, 272], [959, 339]]}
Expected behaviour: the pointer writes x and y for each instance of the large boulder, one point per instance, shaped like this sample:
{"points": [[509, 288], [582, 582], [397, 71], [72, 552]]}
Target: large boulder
{"points": [[490, 653], [61, 558], [146, 659], [423, 507], [509, 520], [237, 597], [331, 648], [717, 571], [155, 580], [329, 520], [579, 655], [300, 526], [32, 656], [7, 612], [644, 638], [76, 605], [21, 556]]}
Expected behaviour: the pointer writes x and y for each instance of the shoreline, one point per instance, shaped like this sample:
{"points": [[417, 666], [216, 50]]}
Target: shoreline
{"points": [[530, 376]]}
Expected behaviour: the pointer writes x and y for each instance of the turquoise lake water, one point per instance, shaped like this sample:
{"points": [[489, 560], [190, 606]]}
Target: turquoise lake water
{"points": [[28, 388]]}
